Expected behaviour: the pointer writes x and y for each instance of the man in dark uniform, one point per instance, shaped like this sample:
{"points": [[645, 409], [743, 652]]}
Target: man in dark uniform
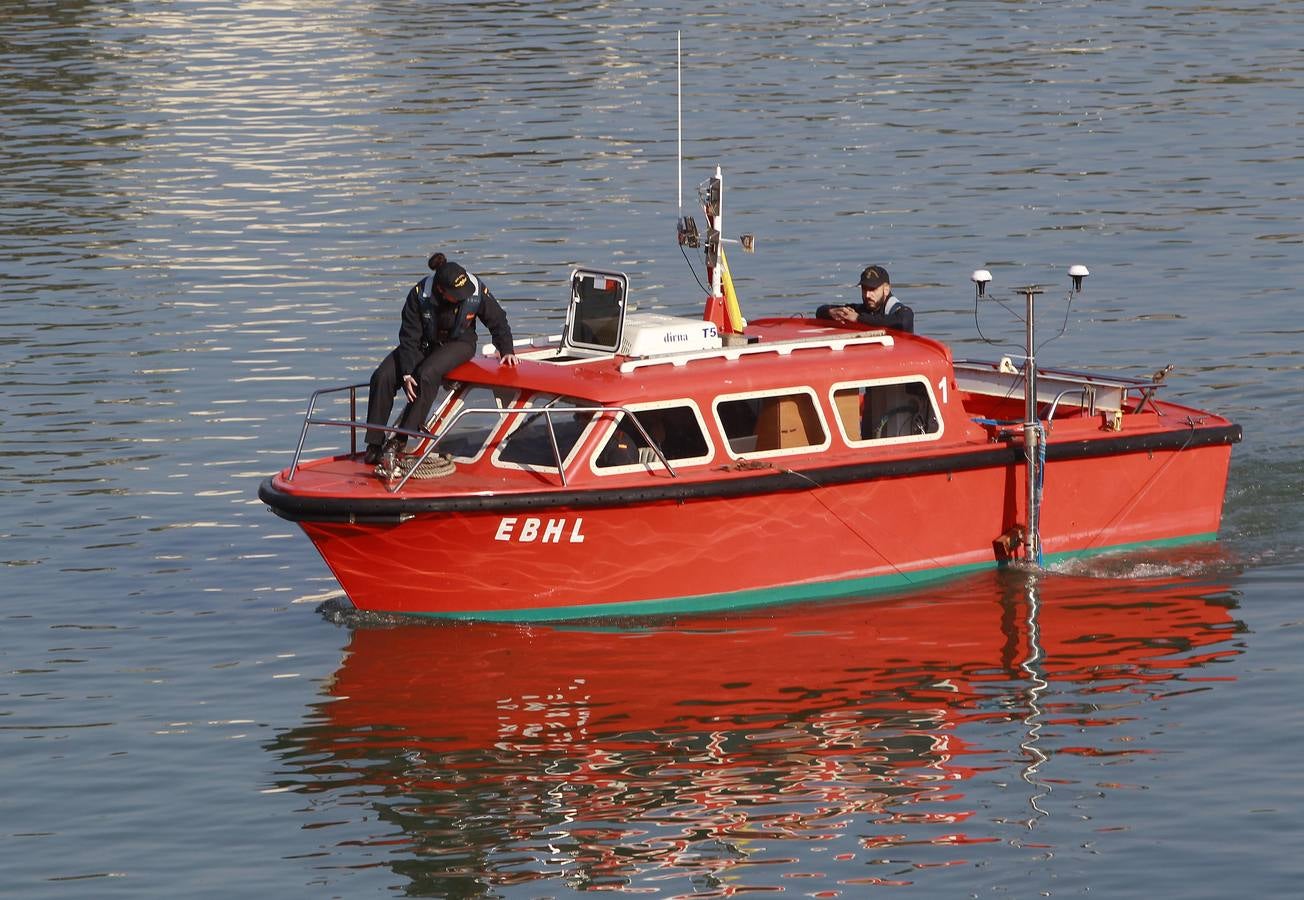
{"points": [[878, 307], [437, 334]]}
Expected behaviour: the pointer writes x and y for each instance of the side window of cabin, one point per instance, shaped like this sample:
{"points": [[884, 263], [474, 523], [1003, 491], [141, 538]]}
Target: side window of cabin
{"points": [[677, 430], [771, 423], [528, 443], [881, 411], [471, 416]]}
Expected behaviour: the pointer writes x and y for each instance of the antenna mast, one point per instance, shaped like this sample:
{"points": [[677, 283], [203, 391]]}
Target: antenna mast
{"points": [[679, 119]]}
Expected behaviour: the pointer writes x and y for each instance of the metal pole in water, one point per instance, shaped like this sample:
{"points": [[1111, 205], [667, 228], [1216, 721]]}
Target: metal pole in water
{"points": [[1032, 433]]}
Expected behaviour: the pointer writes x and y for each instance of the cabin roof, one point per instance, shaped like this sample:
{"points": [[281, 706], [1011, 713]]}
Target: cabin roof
{"points": [[787, 351]]}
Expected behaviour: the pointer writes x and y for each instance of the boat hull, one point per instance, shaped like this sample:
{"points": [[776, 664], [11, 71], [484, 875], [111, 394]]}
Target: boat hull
{"points": [[805, 536]]}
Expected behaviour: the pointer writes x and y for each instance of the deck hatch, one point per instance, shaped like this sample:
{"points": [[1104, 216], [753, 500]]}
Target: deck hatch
{"points": [[595, 319]]}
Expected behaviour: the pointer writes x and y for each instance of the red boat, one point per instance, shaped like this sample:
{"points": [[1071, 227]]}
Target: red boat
{"points": [[650, 464]]}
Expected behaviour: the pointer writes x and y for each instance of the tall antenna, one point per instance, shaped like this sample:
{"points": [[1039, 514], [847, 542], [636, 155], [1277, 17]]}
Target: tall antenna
{"points": [[685, 227], [679, 119]]}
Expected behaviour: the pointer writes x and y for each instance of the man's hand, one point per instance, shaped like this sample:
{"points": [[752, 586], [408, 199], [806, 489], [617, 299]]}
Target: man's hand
{"points": [[410, 387], [508, 360], [843, 314]]}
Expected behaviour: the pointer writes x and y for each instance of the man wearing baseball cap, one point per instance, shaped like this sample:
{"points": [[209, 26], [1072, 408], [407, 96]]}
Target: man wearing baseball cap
{"points": [[437, 335], [878, 307]]}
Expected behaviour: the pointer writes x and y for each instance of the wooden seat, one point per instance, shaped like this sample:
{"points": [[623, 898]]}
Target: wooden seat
{"points": [[787, 422]]}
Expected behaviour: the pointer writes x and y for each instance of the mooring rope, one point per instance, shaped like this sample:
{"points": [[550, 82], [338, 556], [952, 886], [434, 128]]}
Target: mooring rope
{"points": [[436, 465], [815, 486]]}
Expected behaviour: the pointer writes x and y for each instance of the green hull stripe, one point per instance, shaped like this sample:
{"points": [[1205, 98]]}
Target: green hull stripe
{"points": [[789, 593]]}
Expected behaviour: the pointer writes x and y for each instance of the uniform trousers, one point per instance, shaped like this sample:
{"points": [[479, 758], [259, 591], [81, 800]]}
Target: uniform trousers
{"points": [[386, 382]]}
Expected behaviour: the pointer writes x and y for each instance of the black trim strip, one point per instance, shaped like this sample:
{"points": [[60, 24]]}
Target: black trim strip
{"points": [[396, 508]]}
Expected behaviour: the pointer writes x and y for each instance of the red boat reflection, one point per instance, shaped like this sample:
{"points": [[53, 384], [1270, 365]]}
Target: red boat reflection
{"points": [[501, 753]]}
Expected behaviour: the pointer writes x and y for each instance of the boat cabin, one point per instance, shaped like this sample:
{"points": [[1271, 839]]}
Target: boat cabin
{"points": [[620, 396], [622, 393]]}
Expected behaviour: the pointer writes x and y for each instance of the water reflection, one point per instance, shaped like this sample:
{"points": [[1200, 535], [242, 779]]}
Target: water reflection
{"points": [[854, 743]]}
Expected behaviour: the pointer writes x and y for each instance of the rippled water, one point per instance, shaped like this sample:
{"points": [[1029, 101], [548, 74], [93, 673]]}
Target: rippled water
{"points": [[208, 209]]}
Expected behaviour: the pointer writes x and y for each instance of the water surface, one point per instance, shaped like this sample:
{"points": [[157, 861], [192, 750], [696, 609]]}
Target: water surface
{"points": [[209, 209]]}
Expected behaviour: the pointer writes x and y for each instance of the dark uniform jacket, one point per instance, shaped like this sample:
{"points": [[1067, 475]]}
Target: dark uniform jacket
{"points": [[429, 322], [895, 314]]}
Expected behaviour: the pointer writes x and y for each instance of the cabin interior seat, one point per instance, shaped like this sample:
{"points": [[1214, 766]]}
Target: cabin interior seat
{"points": [[787, 422]]}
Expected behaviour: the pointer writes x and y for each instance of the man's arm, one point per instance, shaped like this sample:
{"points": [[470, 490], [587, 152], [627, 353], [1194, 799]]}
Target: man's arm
{"points": [[493, 316], [839, 312], [410, 334], [901, 318]]}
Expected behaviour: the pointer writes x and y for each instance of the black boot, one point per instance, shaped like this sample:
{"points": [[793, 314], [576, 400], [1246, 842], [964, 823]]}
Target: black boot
{"points": [[389, 453], [373, 455]]}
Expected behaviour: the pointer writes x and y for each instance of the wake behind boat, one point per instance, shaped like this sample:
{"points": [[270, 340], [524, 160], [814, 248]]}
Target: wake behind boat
{"points": [[649, 464]]}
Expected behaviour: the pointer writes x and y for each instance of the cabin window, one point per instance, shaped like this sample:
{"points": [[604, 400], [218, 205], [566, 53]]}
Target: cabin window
{"points": [[468, 435], [528, 444], [774, 423], [677, 429], [886, 411]]}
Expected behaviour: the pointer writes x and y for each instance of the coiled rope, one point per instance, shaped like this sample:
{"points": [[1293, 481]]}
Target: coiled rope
{"points": [[436, 465]]}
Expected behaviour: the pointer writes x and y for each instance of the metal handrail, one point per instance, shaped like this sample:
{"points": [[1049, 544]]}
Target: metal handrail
{"points": [[548, 413], [1054, 404], [447, 428], [308, 420], [1096, 378]]}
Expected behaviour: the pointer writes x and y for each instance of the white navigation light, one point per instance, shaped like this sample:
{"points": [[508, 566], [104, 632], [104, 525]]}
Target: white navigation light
{"points": [[1077, 273], [980, 278]]}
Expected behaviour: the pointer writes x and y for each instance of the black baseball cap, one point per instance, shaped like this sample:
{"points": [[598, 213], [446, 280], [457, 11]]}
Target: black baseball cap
{"points": [[454, 282], [873, 276]]}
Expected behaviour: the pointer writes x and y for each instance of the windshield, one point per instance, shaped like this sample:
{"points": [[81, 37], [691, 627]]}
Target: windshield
{"points": [[528, 444], [465, 439]]}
